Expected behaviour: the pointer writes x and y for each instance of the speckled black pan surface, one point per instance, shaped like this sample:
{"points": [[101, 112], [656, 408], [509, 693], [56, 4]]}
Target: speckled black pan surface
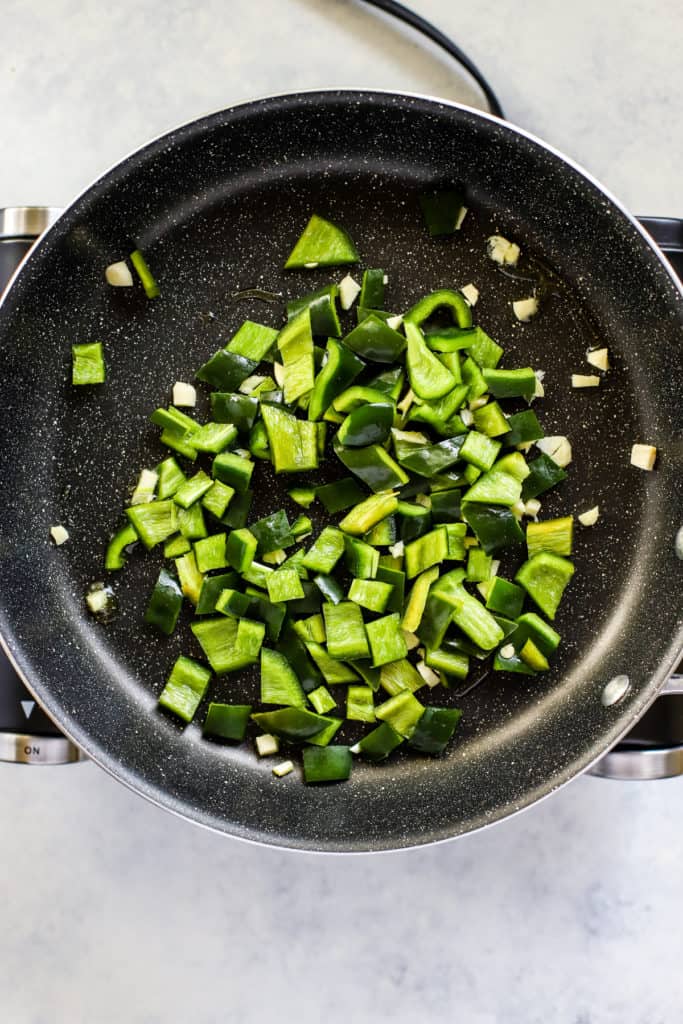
{"points": [[216, 206]]}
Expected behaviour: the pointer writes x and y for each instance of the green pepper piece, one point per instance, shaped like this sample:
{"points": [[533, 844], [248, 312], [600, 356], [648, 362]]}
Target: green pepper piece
{"points": [[442, 210], [240, 410], [490, 420], [304, 496], [123, 538], [379, 743], [449, 339], [279, 682], [446, 506], [402, 712], [494, 488], [360, 706], [435, 729], [322, 700], [340, 495], [484, 350], [545, 577], [389, 382], [368, 513], [494, 526], [415, 521], [258, 442], [345, 629], [185, 688], [386, 640], [322, 306], [193, 489], [451, 663], [325, 552], [330, 588], [398, 676], [372, 289], [228, 643], [531, 625], [272, 532], [334, 671], [429, 378], [341, 367], [370, 594], [293, 442], [144, 274], [154, 521], [510, 383], [512, 664], [373, 465], [210, 552], [171, 477], [323, 244], [445, 298], [238, 511], [428, 550], [362, 560], [191, 522], [211, 589], [429, 460], [544, 473], [397, 579], [240, 549], [295, 344], [233, 470], [369, 424], [88, 364], [356, 396], [164, 604], [327, 764], [284, 585], [417, 601], [550, 535], [217, 498], [505, 598], [227, 721], [295, 724], [375, 340], [522, 428], [298, 657], [253, 341], [225, 370]]}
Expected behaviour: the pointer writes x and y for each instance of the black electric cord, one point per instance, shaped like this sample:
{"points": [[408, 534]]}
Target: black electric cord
{"points": [[426, 28]]}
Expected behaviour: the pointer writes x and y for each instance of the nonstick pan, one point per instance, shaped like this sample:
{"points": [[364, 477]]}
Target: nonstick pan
{"points": [[216, 205]]}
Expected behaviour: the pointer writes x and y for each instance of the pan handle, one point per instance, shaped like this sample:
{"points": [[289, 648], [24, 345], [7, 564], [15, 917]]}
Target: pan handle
{"points": [[667, 232]]}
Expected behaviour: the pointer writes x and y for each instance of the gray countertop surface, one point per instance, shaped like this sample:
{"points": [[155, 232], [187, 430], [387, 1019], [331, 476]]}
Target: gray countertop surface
{"points": [[112, 910]]}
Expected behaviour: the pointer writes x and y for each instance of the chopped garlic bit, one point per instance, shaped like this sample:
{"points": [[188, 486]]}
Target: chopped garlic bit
{"points": [[184, 394], [310, 266], [385, 279], [397, 549], [508, 651], [411, 436], [467, 417], [406, 402], [145, 487], [501, 251], [556, 448], [590, 517], [97, 600], [462, 213], [275, 557], [285, 767], [518, 509], [395, 321], [59, 535], [279, 374], [349, 290], [479, 403], [539, 390], [532, 507], [678, 544], [267, 744], [471, 293], [411, 640], [525, 309], [248, 385], [118, 275], [495, 566], [585, 380], [598, 357], [429, 675], [643, 456]]}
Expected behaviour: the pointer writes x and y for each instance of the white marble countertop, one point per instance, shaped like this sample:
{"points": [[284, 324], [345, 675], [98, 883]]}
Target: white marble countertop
{"points": [[114, 911]]}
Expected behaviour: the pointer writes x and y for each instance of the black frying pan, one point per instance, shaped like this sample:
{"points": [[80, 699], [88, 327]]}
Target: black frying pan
{"points": [[216, 205]]}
